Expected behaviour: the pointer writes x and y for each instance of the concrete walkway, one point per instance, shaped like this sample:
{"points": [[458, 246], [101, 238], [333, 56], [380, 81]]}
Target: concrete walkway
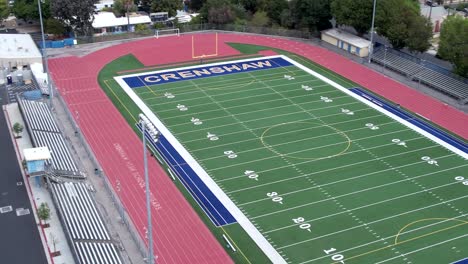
{"points": [[53, 236]]}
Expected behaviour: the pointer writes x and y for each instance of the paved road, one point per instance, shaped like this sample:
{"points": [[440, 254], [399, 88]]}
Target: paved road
{"points": [[19, 237]]}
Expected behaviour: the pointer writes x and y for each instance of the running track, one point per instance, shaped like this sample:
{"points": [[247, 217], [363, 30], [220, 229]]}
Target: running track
{"points": [[180, 235]]}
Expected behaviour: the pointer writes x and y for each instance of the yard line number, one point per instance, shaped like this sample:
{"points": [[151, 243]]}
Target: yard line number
{"points": [[462, 180], [196, 121], [182, 107], [430, 160], [251, 174], [326, 99], [300, 222], [307, 87], [399, 142], [372, 126], [288, 77], [335, 257], [230, 154], [169, 95], [212, 137], [347, 111], [275, 197]]}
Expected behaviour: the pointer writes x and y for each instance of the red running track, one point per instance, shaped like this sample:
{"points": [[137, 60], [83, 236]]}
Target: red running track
{"points": [[180, 235]]}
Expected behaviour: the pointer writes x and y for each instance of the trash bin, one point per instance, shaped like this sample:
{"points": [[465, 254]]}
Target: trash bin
{"points": [[9, 79]]}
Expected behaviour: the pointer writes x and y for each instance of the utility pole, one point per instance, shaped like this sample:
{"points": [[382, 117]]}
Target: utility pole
{"points": [[371, 47], [44, 56]]}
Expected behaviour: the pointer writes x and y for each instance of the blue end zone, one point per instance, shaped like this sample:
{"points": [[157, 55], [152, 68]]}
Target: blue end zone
{"points": [[169, 76], [449, 139], [213, 208], [463, 261]]}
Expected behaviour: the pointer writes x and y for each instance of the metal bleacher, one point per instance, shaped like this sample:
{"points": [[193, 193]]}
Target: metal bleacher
{"points": [[84, 224], [44, 131], [453, 87]]}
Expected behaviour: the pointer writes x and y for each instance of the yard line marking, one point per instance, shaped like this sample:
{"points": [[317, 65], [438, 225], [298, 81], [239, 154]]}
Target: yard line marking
{"points": [[223, 81], [348, 210], [331, 169], [308, 149], [379, 240], [308, 161], [284, 133], [411, 239], [243, 98], [373, 222], [424, 248], [249, 104], [227, 93], [374, 187], [292, 113]]}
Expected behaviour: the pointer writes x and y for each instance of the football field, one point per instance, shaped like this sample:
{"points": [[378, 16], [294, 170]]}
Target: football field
{"points": [[322, 175]]}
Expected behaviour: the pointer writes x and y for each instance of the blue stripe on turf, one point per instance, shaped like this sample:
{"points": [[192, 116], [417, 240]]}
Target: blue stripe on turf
{"points": [[449, 139], [198, 72], [212, 207]]}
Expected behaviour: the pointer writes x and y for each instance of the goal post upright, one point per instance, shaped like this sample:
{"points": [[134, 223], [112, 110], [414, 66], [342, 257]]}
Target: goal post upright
{"points": [[204, 55]]}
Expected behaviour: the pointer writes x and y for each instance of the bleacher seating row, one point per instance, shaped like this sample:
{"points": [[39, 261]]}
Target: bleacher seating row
{"points": [[97, 253], [38, 116], [418, 72], [45, 132], [79, 212], [90, 238], [61, 156]]}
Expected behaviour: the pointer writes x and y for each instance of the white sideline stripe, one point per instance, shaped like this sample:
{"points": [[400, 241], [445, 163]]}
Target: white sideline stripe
{"points": [[275, 116], [389, 237], [309, 138], [253, 232], [249, 104], [456, 261], [373, 222], [380, 240], [353, 209], [370, 188], [424, 248], [387, 113]]}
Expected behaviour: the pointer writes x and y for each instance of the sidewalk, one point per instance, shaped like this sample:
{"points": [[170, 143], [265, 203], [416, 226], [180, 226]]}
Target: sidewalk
{"points": [[53, 236]]}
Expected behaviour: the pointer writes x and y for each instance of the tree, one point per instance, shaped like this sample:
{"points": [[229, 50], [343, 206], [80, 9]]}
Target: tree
{"points": [[54, 26], [419, 34], [453, 45], [121, 7], [355, 13], [28, 9], [218, 11], [17, 128], [77, 14], [196, 5], [260, 19], [170, 6], [4, 10], [43, 212], [311, 14], [274, 8]]}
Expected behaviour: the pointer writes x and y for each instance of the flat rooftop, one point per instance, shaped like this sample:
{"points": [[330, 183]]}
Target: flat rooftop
{"points": [[18, 46]]}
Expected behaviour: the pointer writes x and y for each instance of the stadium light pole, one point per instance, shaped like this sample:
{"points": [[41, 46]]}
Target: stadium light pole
{"points": [[147, 126], [371, 47], [44, 55]]}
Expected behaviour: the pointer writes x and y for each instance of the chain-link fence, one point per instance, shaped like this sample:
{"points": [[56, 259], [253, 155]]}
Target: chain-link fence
{"points": [[187, 28]]}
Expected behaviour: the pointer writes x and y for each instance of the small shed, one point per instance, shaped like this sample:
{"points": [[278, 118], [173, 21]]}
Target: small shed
{"points": [[343, 40], [35, 160]]}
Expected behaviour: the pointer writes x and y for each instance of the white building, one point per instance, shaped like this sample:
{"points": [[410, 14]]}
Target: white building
{"points": [[343, 40], [108, 23], [18, 50]]}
